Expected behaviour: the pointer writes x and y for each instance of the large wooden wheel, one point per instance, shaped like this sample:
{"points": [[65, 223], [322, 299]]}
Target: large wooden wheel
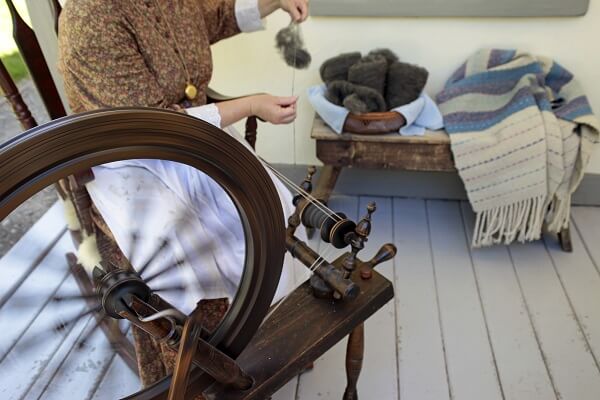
{"points": [[42, 156]]}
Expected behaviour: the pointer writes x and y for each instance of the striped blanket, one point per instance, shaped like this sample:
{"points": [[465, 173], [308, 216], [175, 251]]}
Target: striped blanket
{"points": [[522, 133]]}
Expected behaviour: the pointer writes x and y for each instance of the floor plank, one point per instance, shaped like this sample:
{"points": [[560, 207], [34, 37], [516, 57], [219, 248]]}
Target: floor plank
{"points": [[24, 306], [86, 366], [421, 359], [37, 346], [287, 392], [581, 282], [519, 360], [379, 376], [30, 250], [586, 221], [468, 350], [118, 381], [327, 380], [572, 368]]}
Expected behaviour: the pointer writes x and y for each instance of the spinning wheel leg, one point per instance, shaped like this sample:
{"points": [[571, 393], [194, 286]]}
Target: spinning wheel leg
{"points": [[354, 360]]}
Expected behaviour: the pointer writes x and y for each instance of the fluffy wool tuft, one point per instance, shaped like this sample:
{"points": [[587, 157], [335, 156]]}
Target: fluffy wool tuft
{"points": [[291, 46], [87, 254], [71, 215]]}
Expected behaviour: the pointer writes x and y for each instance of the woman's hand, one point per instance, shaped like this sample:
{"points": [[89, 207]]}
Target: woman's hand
{"points": [[273, 109], [298, 9]]}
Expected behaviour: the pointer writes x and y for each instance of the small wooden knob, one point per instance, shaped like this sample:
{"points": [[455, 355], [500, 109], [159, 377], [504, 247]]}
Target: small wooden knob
{"points": [[385, 253]]}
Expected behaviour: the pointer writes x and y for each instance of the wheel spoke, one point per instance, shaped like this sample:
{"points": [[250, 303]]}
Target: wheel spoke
{"points": [[175, 288], [81, 343], [33, 300], [62, 325], [164, 270], [73, 297], [163, 245]]}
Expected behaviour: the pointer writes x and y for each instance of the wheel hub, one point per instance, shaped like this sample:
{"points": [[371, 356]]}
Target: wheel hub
{"points": [[115, 289]]}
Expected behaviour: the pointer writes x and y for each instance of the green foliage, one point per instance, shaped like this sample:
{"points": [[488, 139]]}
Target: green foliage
{"points": [[15, 66]]}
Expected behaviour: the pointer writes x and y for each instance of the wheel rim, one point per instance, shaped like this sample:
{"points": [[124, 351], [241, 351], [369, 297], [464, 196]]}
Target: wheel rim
{"points": [[62, 147]]}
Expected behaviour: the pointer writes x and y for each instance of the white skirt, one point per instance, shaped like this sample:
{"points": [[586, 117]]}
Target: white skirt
{"points": [[159, 199]]}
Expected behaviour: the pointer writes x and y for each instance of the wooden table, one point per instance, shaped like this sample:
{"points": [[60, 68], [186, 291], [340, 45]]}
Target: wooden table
{"points": [[430, 152]]}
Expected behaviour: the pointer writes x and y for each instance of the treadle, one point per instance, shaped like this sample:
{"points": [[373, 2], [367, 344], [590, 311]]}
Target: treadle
{"points": [[299, 331]]}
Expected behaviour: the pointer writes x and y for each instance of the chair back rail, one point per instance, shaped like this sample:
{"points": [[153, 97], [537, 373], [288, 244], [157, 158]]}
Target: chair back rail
{"points": [[11, 92], [31, 52]]}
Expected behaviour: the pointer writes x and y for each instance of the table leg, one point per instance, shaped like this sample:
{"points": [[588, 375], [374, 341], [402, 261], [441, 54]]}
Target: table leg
{"points": [[564, 237]]}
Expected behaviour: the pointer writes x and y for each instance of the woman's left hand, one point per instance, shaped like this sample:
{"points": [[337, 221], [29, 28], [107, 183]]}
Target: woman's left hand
{"points": [[298, 9]]}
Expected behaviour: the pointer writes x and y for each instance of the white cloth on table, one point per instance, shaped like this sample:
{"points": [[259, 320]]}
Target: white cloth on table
{"points": [[420, 115], [149, 197]]}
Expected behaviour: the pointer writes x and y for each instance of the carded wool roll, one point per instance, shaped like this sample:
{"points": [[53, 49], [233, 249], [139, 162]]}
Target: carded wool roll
{"points": [[338, 90], [336, 68], [365, 100], [405, 83], [358, 99], [389, 55], [370, 72]]}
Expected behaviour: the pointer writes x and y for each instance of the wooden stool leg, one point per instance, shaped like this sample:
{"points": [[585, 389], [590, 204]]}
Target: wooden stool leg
{"points": [[564, 237], [325, 185], [354, 359]]}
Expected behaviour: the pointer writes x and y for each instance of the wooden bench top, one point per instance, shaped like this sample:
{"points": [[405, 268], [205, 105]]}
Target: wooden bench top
{"points": [[430, 152], [321, 131]]}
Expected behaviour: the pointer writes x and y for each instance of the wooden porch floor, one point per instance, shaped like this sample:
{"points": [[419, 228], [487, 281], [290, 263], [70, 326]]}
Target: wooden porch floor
{"points": [[517, 322]]}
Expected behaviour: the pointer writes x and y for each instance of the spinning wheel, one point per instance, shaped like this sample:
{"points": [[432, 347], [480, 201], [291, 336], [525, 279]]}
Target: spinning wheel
{"points": [[343, 292], [63, 147]]}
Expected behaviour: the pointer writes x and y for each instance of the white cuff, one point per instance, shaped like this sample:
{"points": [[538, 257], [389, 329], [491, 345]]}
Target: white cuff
{"points": [[209, 113], [247, 16]]}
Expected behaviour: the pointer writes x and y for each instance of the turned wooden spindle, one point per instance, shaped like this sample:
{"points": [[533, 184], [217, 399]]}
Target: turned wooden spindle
{"points": [[358, 239], [354, 360], [16, 101], [307, 184]]}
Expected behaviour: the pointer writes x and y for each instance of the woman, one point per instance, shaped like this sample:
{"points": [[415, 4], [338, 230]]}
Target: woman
{"points": [[156, 53]]}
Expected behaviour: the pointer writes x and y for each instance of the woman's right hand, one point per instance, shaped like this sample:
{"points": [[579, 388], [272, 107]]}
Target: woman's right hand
{"points": [[274, 109]]}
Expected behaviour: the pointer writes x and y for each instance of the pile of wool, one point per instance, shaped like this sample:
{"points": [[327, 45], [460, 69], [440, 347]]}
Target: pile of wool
{"points": [[376, 82]]}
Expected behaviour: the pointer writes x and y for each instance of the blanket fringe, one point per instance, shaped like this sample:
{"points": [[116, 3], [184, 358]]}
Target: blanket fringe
{"points": [[520, 221], [559, 214]]}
